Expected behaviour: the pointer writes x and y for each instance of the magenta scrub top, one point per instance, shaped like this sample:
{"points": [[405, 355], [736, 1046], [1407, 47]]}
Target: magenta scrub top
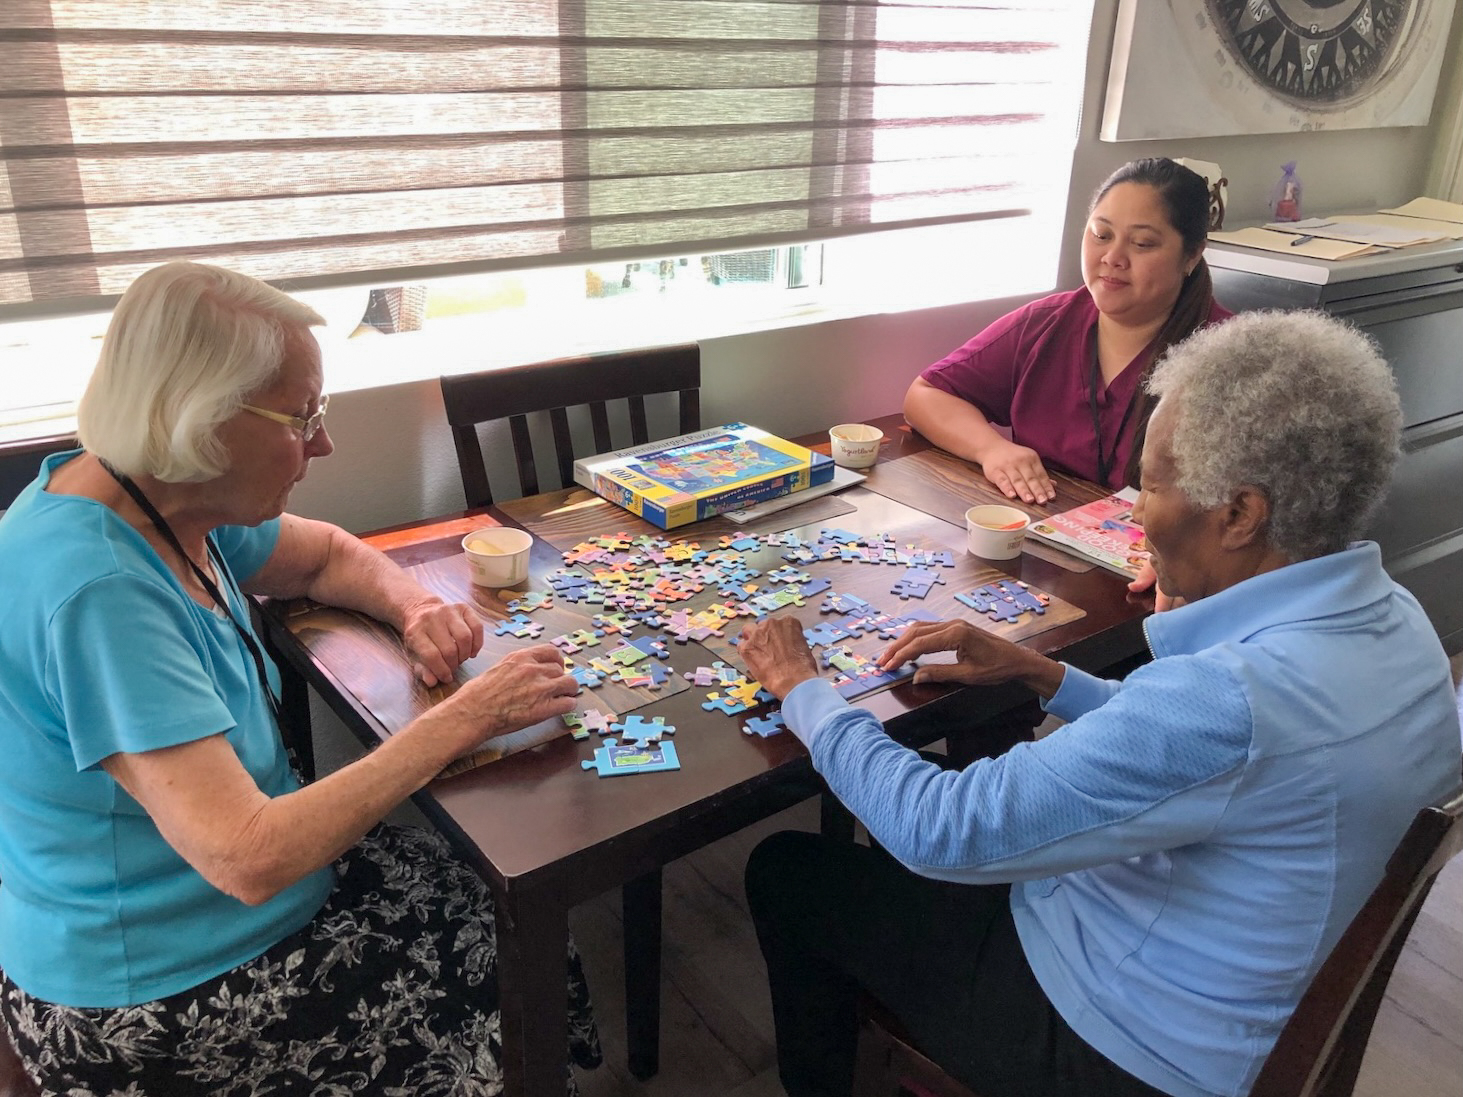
{"points": [[1031, 371]]}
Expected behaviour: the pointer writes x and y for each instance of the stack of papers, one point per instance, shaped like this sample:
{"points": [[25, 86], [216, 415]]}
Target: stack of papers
{"points": [[1421, 221], [1360, 232], [1292, 243], [1431, 208]]}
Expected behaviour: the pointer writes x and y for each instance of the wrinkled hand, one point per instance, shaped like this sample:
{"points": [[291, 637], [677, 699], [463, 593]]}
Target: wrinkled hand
{"points": [[1148, 579], [526, 686], [777, 654], [439, 637], [981, 658], [1017, 471]]}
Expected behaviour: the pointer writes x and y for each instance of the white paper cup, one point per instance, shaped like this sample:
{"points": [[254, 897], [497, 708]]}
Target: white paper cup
{"points": [[855, 445], [497, 556], [995, 532]]}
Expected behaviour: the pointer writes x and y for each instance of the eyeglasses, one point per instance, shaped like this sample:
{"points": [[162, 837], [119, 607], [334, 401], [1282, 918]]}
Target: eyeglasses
{"points": [[308, 428]]}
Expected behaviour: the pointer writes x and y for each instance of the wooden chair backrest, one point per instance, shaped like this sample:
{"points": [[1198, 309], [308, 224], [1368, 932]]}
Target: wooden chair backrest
{"points": [[516, 392], [20, 461], [1319, 1051], [888, 1065]]}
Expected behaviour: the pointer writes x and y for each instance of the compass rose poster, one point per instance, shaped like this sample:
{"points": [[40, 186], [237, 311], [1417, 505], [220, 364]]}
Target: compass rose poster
{"points": [[1210, 68]]}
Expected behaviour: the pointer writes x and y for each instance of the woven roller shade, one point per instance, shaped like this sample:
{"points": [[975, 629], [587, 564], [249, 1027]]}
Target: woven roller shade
{"points": [[334, 137]]}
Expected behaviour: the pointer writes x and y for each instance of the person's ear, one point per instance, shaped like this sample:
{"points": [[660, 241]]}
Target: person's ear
{"points": [[1245, 517]]}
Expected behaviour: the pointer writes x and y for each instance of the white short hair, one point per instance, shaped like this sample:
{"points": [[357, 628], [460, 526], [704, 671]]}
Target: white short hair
{"points": [[187, 345], [1300, 404]]}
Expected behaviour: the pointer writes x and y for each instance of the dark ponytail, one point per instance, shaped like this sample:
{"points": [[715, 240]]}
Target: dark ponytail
{"points": [[1185, 197]]}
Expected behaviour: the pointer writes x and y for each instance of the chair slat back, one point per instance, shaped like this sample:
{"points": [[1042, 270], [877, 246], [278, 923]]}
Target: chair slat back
{"points": [[516, 392], [20, 461], [1319, 1051]]}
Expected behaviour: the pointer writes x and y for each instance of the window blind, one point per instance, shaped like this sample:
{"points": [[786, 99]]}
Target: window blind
{"points": [[292, 140]]}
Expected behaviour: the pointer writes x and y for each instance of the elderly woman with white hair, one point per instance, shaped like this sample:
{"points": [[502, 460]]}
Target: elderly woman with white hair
{"points": [[178, 914], [1135, 903]]}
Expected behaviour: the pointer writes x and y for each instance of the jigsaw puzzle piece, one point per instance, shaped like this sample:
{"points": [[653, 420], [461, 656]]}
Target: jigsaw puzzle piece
{"points": [[615, 759], [521, 626], [771, 724], [729, 705], [637, 729]]}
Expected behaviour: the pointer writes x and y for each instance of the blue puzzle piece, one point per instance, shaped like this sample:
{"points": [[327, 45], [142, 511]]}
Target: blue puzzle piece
{"points": [[827, 632], [637, 729], [520, 625], [816, 586], [651, 646], [845, 603], [658, 672], [842, 536], [586, 677], [616, 759], [851, 688], [916, 583], [771, 724]]}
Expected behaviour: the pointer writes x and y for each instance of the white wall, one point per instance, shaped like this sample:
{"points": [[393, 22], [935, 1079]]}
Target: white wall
{"points": [[395, 461]]}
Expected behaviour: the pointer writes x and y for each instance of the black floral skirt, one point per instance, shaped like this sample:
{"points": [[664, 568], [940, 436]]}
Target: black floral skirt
{"points": [[391, 989]]}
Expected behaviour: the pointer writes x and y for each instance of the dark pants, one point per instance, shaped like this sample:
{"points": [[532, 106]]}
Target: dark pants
{"points": [[834, 917]]}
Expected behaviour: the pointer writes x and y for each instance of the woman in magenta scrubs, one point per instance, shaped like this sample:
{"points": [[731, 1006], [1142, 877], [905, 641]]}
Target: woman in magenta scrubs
{"points": [[1065, 374]]}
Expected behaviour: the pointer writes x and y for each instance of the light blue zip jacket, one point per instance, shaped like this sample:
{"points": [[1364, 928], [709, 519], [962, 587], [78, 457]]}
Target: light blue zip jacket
{"points": [[1188, 848]]}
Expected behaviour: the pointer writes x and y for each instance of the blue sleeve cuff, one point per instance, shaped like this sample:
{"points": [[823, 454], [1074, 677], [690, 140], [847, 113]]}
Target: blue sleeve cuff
{"points": [[808, 705], [1079, 694]]}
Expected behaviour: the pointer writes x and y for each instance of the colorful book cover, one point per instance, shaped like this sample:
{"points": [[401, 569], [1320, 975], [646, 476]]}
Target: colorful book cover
{"points": [[682, 480], [1102, 531]]}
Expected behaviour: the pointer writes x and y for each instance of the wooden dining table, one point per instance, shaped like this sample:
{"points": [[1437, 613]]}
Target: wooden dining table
{"points": [[547, 835]]}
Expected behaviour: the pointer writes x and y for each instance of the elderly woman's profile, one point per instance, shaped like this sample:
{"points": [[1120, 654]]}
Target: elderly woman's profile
{"points": [[1135, 903], [179, 915]]}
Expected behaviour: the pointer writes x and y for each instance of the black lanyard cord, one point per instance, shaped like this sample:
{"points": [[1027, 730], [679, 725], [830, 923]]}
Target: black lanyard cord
{"points": [[1104, 460], [161, 525]]}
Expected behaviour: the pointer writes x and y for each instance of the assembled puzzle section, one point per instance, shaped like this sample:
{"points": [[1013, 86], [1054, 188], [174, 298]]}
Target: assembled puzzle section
{"points": [[616, 759]]}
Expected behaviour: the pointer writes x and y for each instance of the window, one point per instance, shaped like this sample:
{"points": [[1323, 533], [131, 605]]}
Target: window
{"points": [[387, 139]]}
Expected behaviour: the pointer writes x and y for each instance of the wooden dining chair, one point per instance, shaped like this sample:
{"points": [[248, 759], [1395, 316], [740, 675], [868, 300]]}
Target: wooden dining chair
{"points": [[1321, 1047], [516, 392], [1320, 1050]]}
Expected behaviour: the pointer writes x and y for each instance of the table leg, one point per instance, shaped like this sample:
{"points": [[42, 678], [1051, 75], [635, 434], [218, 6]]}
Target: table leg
{"points": [[640, 902], [533, 973]]}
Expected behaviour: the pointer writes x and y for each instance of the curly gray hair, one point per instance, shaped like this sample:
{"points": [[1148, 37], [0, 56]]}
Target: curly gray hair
{"points": [[1296, 403]]}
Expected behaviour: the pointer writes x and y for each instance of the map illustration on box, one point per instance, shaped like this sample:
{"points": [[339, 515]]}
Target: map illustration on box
{"points": [[682, 480]]}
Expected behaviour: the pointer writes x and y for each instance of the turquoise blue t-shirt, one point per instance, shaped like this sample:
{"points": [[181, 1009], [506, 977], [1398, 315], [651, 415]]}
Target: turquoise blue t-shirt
{"points": [[102, 651]]}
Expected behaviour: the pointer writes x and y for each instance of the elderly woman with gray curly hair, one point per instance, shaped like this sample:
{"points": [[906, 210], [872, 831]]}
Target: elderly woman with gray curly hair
{"points": [[179, 915], [1158, 880]]}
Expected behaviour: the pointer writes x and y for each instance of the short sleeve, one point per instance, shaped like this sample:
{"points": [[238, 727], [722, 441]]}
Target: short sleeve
{"points": [[246, 549], [983, 371], [126, 670]]}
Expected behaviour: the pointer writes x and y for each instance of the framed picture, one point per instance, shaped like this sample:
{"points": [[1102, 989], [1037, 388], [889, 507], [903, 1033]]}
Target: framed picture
{"points": [[1209, 68]]}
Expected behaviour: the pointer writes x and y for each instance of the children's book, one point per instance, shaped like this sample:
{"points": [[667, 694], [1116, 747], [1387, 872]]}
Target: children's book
{"points": [[682, 480], [1102, 531]]}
